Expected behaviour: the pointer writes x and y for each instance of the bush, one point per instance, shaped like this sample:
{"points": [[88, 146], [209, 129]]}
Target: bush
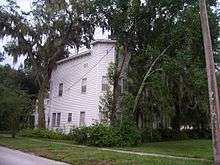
{"points": [[129, 134], [96, 135], [150, 135], [80, 135], [157, 135], [102, 135], [43, 133], [199, 134]]}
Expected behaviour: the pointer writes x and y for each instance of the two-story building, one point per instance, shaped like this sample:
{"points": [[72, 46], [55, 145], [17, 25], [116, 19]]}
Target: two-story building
{"points": [[76, 85]]}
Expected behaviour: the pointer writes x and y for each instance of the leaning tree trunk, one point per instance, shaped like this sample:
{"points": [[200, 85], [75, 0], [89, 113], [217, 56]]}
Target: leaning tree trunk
{"points": [[148, 73]]}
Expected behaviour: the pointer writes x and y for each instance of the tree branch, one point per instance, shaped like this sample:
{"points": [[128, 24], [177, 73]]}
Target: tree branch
{"points": [[145, 78]]}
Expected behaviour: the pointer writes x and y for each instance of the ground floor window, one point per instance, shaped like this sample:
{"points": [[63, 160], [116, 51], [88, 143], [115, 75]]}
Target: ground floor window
{"points": [[82, 118], [48, 121], [53, 119], [69, 117], [56, 117]]}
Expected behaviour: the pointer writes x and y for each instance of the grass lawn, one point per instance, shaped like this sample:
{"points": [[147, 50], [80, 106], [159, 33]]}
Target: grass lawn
{"points": [[185, 148], [92, 156]]}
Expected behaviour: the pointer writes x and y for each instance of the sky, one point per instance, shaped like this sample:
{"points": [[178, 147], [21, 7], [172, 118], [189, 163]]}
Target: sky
{"points": [[26, 6]]}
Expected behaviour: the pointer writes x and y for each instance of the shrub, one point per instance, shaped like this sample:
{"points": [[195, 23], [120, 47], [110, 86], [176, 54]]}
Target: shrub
{"points": [[150, 135], [96, 135], [102, 135], [157, 135], [80, 135], [129, 134], [199, 134], [43, 133]]}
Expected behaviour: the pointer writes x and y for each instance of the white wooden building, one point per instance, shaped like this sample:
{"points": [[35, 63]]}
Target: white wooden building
{"points": [[76, 85]]}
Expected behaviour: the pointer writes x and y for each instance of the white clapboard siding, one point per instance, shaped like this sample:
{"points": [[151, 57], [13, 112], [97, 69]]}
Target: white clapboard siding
{"points": [[70, 72]]}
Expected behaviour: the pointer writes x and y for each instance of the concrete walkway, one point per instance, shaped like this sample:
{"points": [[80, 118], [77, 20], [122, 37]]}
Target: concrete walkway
{"points": [[15, 157]]}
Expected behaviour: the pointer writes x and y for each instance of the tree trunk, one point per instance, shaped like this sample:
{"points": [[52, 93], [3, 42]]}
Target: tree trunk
{"points": [[14, 124], [176, 119], [41, 113], [13, 133], [114, 103], [212, 84], [120, 69]]}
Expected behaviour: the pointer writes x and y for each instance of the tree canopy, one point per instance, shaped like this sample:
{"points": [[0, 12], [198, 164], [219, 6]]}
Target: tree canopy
{"points": [[45, 34], [17, 98], [174, 93]]}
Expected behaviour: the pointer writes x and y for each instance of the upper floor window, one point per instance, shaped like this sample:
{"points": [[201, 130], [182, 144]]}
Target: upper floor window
{"points": [[121, 84], [69, 117], [60, 89], [104, 83], [86, 65], [84, 83]]}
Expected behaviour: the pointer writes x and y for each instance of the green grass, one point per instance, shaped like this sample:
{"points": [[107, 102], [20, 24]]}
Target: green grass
{"points": [[90, 155], [185, 148]]}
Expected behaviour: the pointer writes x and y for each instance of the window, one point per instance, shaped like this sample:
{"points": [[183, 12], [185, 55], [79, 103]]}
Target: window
{"points": [[82, 119], [121, 84], [54, 119], [69, 117], [60, 89], [48, 121], [86, 65], [58, 119], [84, 82], [104, 83]]}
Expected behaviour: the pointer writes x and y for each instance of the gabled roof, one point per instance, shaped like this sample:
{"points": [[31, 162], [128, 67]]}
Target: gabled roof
{"points": [[85, 53]]}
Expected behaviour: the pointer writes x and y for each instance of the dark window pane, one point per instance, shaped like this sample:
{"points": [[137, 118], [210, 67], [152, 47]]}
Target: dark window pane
{"points": [[58, 119], [53, 119], [104, 83], [83, 89], [69, 117], [84, 83], [82, 119], [60, 89]]}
